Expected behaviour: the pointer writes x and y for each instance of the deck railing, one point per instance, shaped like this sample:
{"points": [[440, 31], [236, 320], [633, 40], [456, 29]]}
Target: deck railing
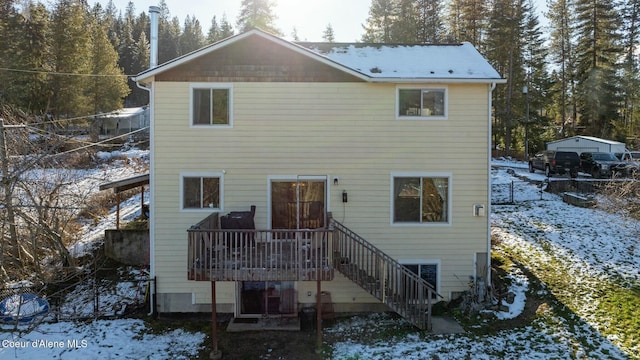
{"points": [[259, 255], [381, 276], [308, 255]]}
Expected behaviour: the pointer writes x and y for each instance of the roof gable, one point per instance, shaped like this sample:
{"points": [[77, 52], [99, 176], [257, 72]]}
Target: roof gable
{"points": [[255, 59], [258, 56]]}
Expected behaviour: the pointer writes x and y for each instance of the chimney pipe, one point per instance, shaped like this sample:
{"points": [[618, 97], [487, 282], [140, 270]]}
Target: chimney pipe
{"points": [[154, 11]]}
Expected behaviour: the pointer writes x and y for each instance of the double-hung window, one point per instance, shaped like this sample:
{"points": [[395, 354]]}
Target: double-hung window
{"points": [[201, 191], [421, 103], [421, 198], [211, 104]]}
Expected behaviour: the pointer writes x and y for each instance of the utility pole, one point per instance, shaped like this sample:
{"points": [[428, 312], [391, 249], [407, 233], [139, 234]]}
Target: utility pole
{"points": [[8, 195], [525, 91]]}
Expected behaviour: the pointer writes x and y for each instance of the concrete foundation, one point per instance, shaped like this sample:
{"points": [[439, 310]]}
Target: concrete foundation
{"points": [[130, 247]]}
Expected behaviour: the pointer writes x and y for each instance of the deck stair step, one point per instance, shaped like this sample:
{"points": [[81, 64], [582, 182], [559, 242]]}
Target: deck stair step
{"points": [[381, 276]]}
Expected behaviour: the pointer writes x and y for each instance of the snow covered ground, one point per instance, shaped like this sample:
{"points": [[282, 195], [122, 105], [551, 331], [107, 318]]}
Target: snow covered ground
{"points": [[101, 339], [591, 241]]}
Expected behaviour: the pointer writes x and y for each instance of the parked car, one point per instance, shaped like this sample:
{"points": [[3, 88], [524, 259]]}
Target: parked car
{"points": [[602, 164], [556, 162], [632, 161]]}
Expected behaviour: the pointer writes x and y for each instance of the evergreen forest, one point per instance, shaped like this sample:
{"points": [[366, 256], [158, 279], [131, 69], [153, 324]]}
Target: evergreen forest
{"points": [[575, 75]]}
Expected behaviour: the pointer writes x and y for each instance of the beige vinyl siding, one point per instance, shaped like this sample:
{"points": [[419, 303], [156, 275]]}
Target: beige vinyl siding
{"points": [[345, 130]]}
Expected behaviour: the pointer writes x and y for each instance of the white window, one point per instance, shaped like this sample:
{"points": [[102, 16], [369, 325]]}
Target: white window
{"points": [[421, 198], [201, 191], [211, 105], [421, 103]]}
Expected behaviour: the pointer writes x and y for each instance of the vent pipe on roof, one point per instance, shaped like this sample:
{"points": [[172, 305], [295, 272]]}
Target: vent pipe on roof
{"points": [[154, 12]]}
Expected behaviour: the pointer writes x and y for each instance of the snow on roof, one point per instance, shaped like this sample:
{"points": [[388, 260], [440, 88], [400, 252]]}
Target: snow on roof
{"points": [[125, 113], [420, 61], [371, 62], [591, 138]]}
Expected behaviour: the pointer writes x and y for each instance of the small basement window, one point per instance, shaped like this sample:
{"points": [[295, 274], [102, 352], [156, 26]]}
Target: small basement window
{"points": [[427, 272]]}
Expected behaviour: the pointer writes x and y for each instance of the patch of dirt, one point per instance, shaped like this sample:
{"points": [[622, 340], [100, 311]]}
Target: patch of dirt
{"points": [[245, 345], [290, 345]]}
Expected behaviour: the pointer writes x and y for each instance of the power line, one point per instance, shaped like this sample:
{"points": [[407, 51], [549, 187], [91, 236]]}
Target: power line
{"points": [[62, 73], [85, 117], [98, 143]]}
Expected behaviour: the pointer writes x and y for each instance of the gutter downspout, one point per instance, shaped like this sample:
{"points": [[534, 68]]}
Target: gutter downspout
{"points": [[489, 136], [154, 11], [152, 263]]}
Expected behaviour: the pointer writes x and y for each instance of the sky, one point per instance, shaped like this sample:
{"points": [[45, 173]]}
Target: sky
{"points": [[309, 17]]}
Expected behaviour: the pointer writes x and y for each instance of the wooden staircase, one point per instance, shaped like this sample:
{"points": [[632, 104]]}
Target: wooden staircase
{"points": [[381, 276]]}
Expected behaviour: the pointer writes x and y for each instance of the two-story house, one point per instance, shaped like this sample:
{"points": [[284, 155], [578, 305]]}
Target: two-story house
{"points": [[368, 166]]}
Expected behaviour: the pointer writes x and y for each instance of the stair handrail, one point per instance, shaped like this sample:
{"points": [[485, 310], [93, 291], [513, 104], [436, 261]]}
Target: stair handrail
{"points": [[390, 263]]}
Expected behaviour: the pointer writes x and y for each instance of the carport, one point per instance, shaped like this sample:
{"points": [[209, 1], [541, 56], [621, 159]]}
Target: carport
{"points": [[119, 186]]}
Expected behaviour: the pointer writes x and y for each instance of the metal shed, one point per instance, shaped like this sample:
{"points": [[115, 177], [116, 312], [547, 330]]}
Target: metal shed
{"points": [[581, 144]]}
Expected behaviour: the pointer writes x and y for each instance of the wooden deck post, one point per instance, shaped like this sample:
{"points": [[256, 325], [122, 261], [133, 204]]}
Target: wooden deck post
{"points": [[215, 353], [118, 211], [318, 313]]}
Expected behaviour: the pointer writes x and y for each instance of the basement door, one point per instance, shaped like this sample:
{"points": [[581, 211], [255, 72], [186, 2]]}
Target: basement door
{"points": [[267, 298]]}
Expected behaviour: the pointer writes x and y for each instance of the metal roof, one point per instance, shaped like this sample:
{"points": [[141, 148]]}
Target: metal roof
{"points": [[126, 184]]}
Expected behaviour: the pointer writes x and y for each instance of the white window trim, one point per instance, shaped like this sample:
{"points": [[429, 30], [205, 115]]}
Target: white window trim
{"points": [[410, 87], [218, 174], [436, 262], [208, 85], [394, 175], [275, 178]]}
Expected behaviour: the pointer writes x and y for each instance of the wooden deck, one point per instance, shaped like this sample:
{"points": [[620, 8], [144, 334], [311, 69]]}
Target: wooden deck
{"points": [[259, 255], [307, 255]]}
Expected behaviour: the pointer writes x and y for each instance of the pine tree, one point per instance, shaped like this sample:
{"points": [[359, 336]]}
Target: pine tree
{"points": [[328, 35], [219, 32], [430, 27], [226, 29], [9, 30], [404, 21], [168, 39], [191, 38], [505, 52], [213, 34], [137, 96], [380, 21], [108, 86], [111, 17], [71, 50], [30, 91], [562, 54], [467, 21], [257, 14], [404, 28], [168, 35], [127, 45], [598, 50], [534, 53], [631, 72]]}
